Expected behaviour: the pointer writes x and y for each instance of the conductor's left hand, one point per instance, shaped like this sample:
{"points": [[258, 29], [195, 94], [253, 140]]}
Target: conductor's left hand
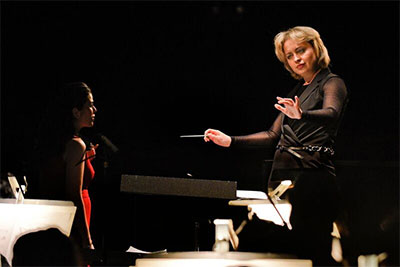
{"points": [[290, 108]]}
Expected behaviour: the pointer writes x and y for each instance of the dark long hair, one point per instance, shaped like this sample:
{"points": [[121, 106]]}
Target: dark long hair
{"points": [[57, 125]]}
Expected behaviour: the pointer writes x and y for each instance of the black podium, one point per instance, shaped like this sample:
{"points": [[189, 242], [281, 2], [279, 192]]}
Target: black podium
{"points": [[175, 213]]}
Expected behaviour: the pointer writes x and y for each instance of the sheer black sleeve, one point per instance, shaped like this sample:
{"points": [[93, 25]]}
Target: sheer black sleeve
{"points": [[334, 98], [260, 139]]}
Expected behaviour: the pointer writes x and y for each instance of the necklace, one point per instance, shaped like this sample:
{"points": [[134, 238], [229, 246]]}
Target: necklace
{"points": [[315, 74]]}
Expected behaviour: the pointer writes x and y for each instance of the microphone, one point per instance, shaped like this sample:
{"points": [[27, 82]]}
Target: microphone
{"points": [[107, 143]]}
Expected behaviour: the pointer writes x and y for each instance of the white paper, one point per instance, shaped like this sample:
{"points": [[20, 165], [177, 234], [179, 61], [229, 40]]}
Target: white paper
{"points": [[135, 250], [248, 194], [267, 212]]}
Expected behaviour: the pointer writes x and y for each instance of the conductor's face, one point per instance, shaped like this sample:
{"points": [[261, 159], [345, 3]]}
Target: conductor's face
{"points": [[301, 58]]}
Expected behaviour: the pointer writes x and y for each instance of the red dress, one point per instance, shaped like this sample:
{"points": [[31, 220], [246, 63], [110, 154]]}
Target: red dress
{"points": [[52, 180], [88, 176]]}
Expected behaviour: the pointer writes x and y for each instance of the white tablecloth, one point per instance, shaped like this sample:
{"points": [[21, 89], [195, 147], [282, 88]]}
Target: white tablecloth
{"points": [[31, 215]]}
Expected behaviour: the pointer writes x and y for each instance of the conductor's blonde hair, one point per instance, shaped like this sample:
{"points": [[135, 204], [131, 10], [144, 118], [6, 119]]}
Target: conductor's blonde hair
{"points": [[302, 34]]}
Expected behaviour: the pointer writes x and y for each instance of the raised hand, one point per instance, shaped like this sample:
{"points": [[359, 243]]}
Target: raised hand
{"points": [[91, 152], [290, 108], [218, 137]]}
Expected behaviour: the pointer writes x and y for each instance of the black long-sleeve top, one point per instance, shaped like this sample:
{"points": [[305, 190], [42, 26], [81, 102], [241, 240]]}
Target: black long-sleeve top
{"points": [[323, 103]]}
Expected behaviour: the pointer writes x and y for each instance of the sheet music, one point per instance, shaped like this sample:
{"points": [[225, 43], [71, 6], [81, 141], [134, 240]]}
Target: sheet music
{"points": [[249, 194], [135, 250]]}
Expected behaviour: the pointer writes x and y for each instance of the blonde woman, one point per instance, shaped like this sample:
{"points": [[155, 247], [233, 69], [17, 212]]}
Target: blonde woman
{"points": [[304, 135]]}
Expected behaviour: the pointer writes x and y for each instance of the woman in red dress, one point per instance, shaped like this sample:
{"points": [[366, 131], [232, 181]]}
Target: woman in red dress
{"points": [[66, 170]]}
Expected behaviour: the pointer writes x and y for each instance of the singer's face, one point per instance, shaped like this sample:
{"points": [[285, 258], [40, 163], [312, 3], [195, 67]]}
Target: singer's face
{"points": [[301, 58], [87, 113]]}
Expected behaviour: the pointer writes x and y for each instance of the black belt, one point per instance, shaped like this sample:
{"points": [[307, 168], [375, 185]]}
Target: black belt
{"points": [[311, 148]]}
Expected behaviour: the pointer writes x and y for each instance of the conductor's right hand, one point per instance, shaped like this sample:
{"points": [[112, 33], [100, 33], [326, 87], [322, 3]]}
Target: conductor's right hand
{"points": [[217, 137]]}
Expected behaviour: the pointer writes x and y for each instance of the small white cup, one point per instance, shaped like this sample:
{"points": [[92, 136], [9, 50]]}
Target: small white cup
{"points": [[222, 235]]}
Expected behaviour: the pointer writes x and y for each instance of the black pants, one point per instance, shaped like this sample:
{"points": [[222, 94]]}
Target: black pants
{"points": [[314, 201]]}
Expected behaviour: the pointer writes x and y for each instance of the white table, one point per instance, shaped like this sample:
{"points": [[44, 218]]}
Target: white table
{"points": [[265, 210], [32, 215], [226, 259]]}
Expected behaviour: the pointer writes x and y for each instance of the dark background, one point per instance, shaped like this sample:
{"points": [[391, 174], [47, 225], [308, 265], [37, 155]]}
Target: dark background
{"points": [[159, 70]]}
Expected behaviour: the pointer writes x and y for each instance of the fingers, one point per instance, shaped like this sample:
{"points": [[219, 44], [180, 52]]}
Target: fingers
{"points": [[217, 137], [280, 108], [285, 101], [210, 134], [212, 131], [206, 134], [296, 102], [290, 108]]}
